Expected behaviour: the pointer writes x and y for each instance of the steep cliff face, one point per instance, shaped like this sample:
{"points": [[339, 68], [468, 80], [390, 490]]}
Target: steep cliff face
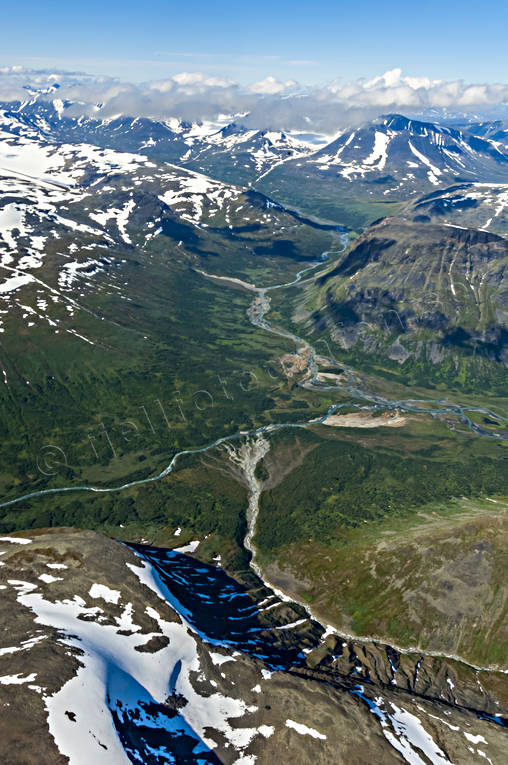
{"points": [[419, 293], [413, 266]]}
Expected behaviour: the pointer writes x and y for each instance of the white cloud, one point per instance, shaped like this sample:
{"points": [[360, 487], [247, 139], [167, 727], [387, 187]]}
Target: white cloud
{"points": [[270, 102], [393, 88], [271, 86], [198, 80]]}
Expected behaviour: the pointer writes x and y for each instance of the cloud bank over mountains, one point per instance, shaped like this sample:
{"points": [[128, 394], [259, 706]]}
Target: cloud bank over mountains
{"points": [[269, 103]]}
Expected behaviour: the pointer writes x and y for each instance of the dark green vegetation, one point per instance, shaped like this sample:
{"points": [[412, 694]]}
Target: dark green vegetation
{"points": [[318, 196], [152, 357], [176, 365], [198, 498], [354, 477], [365, 528]]}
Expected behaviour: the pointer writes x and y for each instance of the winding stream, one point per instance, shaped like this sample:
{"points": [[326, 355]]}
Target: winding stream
{"points": [[372, 402], [215, 605]]}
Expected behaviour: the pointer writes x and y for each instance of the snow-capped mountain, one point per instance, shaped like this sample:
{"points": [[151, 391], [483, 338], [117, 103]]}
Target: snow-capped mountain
{"points": [[49, 237], [496, 130], [390, 158], [243, 155], [402, 154], [63, 122], [386, 161], [71, 212], [112, 672], [223, 148]]}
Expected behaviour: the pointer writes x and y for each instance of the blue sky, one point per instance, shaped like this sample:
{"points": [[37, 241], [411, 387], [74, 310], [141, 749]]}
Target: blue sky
{"points": [[312, 42]]}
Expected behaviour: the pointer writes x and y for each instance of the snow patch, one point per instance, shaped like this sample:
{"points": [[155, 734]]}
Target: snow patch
{"points": [[105, 593], [304, 730]]}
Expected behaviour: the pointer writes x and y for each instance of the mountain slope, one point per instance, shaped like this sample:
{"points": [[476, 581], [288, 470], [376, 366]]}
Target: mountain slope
{"points": [[412, 152], [69, 212], [426, 300], [476, 205], [381, 162], [385, 161], [496, 130], [241, 155], [102, 664]]}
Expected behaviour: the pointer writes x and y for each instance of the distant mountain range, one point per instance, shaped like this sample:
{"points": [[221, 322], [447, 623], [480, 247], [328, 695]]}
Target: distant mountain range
{"points": [[391, 159], [470, 205], [386, 160], [495, 130], [400, 153], [80, 196]]}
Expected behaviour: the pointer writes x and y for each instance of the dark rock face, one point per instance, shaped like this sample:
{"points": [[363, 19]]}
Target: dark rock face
{"points": [[437, 284]]}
